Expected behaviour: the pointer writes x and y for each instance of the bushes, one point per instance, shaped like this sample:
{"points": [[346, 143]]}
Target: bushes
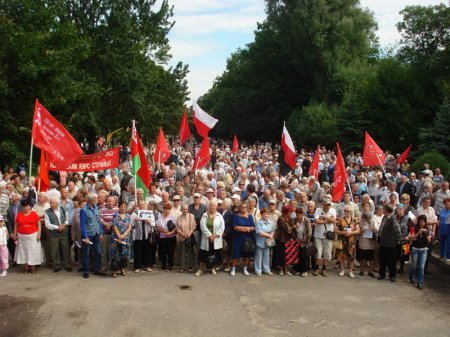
{"points": [[434, 159]]}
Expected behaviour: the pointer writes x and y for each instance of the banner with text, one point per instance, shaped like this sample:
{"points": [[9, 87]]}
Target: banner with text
{"points": [[93, 162]]}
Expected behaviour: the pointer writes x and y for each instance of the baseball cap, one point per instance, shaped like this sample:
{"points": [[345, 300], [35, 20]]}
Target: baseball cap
{"points": [[197, 195]]}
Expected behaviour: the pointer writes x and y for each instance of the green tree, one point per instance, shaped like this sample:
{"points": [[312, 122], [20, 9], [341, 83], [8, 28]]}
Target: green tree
{"points": [[436, 137]]}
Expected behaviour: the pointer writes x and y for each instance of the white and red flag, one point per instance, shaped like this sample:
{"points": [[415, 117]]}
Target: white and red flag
{"points": [[202, 121], [288, 148]]}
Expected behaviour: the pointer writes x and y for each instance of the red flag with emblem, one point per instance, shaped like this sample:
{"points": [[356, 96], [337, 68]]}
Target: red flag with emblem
{"points": [[50, 136], [185, 133], [203, 156], [404, 156], [162, 152], [340, 177], [235, 145], [373, 155]]}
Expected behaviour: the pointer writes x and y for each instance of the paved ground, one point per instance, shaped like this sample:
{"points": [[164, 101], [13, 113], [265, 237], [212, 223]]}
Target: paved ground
{"points": [[152, 304]]}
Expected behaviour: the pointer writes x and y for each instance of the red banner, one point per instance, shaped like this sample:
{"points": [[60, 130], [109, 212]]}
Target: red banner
{"points": [[93, 162]]}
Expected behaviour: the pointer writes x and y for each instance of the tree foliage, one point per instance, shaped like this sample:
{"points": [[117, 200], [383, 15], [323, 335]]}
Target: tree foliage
{"points": [[318, 63], [94, 65]]}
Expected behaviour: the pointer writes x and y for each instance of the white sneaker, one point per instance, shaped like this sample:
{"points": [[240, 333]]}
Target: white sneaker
{"points": [[198, 273], [269, 273], [304, 274], [227, 269], [213, 271], [232, 271], [281, 273], [351, 275], [258, 274], [137, 270], [288, 273], [342, 273], [4, 273], [245, 272]]}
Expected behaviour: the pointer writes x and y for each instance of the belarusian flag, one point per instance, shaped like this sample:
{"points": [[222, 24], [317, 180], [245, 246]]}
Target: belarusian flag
{"points": [[140, 167]]}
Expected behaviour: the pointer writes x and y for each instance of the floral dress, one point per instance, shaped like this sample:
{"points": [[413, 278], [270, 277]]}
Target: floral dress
{"points": [[121, 225], [348, 251]]}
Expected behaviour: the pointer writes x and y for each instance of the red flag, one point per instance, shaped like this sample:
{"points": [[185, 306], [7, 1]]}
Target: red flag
{"points": [[340, 177], [49, 135], [404, 155], [373, 155], [140, 167], [162, 152], [314, 168], [288, 148], [235, 145], [185, 133], [44, 181], [203, 155], [202, 121]]}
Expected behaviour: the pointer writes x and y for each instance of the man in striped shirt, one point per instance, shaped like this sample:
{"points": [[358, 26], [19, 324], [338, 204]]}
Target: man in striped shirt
{"points": [[106, 216]]}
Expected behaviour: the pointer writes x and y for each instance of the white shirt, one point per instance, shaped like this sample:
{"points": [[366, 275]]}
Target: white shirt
{"points": [[48, 224], [319, 231]]}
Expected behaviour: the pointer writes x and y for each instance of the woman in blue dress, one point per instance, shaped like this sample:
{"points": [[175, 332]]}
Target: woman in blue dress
{"points": [[120, 238], [243, 229]]}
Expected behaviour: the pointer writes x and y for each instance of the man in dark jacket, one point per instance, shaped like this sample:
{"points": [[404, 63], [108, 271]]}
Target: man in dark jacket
{"points": [[405, 187], [389, 237]]}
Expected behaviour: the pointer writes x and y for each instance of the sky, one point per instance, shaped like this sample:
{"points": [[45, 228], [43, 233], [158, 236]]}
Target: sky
{"points": [[207, 32]]}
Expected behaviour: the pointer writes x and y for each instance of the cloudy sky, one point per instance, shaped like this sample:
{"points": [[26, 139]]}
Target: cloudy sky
{"points": [[206, 32]]}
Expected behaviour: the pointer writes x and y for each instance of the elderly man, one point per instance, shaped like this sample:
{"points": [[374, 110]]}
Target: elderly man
{"points": [[92, 235], [347, 201], [324, 220], [389, 237], [40, 207], [106, 216], [441, 194], [56, 221], [72, 189], [184, 201]]}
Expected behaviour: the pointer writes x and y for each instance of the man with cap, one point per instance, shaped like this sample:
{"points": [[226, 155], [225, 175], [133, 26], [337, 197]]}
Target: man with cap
{"points": [[197, 209], [210, 195], [325, 219], [274, 213], [176, 206]]}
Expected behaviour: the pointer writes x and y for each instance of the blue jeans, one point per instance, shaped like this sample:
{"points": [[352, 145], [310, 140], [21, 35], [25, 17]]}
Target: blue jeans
{"points": [[444, 243], [419, 257], [262, 259], [85, 250]]}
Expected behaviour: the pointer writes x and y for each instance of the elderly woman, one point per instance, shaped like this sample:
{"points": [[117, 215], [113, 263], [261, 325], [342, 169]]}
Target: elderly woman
{"points": [[303, 232], [121, 227], [167, 237], [367, 241], [420, 238], [142, 222], [405, 223], [27, 231], [243, 231], [347, 228], [252, 209], [265, 238], [75, 231], [185, 227], [284, 232], [212, 227]]}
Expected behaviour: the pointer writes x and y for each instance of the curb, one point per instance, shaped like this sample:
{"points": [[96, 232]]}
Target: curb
{"points": [[441, 264]]}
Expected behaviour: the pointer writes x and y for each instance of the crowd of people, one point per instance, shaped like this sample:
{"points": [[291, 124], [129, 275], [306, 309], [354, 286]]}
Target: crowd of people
{"points": [[237, 213]]}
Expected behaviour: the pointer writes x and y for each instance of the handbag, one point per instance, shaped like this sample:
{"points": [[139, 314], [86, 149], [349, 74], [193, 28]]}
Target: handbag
{"points": [[270, 242], [329, 235], [170, 225], [249, 246], [310, 250], [153, 236], [337, 244]]}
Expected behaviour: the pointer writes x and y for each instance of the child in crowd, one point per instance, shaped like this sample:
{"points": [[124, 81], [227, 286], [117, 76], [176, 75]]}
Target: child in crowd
{"points": [[3, 247]]}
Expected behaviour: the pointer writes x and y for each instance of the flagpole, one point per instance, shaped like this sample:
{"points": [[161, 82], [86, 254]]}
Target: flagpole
{"points": [[379, 160], [135, 179], [31, 157]]}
